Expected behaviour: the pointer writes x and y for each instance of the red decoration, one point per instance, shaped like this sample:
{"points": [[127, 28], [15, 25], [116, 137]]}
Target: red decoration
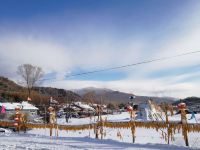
{"points": [[181, 106], [29, 99], [129, 108]]}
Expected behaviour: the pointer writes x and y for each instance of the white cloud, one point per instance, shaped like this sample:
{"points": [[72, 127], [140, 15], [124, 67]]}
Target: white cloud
{"points": [[101, 51], [53, 57], [150, 87], [17, 50]]}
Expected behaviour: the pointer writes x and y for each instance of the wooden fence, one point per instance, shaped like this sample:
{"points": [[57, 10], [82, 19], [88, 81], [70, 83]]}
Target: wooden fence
{"points": [[170, 127]]}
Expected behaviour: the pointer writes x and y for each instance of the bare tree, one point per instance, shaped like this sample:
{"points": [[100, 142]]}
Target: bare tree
{"points": [[30, 75]]}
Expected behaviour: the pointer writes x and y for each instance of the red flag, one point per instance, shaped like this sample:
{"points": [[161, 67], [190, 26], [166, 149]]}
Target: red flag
{"points": [[28, 99], [3, 109]]}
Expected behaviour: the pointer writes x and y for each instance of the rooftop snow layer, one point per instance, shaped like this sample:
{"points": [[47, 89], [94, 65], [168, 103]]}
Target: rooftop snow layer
{"points": [[23, 105], [85, 106]]}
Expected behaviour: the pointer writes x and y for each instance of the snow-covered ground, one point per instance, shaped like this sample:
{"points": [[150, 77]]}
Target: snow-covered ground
{"points": [[125, 116], [36, 142], [78, 121], [146, 139], [178, 118]]}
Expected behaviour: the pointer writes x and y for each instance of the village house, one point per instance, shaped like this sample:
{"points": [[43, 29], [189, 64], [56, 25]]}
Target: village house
{"points": [[26, 108], [104, 109], [82, 109]]}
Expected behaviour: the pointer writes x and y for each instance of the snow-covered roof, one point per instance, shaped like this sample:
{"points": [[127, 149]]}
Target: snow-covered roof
{"points": [[95, 105], [75, 108], [84, 106], [23, 105]]}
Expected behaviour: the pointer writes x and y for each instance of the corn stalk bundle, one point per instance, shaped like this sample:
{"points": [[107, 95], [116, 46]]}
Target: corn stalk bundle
{"points": [[153, 125], [76, 128], [147, 125], [61, 127], [192, 127], [6, 124]]}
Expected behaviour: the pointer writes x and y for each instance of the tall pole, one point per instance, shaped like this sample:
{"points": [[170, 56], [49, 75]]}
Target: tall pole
{"points": [[45, 114], [182, 108], [133, 132], [184, 126], [133, 123]]}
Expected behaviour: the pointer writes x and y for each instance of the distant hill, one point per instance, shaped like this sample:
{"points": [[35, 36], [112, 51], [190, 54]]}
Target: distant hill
{"points": [[61, 94], [108, 95], [8, 85], [10, 91], [91, 89], [193, 103]]}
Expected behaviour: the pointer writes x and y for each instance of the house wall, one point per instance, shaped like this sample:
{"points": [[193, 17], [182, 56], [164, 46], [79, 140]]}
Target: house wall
{"points": [[9, 113]]}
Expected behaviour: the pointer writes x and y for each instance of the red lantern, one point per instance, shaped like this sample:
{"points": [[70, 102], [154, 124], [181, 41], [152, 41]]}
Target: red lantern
{"points": [[129, 108], [181, 106]]}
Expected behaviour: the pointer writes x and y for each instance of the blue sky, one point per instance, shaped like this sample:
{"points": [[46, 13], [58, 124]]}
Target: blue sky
{"points": [[72, 36]]}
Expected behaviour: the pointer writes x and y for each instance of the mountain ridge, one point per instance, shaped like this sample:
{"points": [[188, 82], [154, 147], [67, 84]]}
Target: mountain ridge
{"points": [[121, 97], [14, 92]]}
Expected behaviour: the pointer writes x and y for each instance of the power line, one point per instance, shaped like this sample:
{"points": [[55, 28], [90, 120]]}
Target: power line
{"points": [[129, 65]]}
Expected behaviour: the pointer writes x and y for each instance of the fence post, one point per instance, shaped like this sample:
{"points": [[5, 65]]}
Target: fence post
{"points": [[184, 126], [167, 122], [51, 129], [133, 131], [97, 131], [182, 107], [101, 129]]}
